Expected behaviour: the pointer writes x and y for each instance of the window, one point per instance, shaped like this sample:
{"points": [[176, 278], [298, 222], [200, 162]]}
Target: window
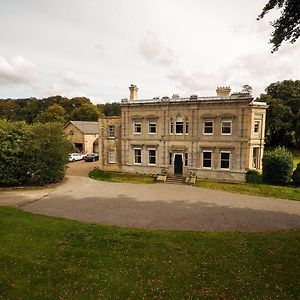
{"points": [[186, 127], [256, 126], [137, 155], [186, 161], [71, 132], [152, 127], [208, 127], [111, 131], [171, 127], [137, 127], [226, 127], [111, 156], [206, 159], [152, 157], [179, 125], [255, 161], [170, 159], [225, 160]]}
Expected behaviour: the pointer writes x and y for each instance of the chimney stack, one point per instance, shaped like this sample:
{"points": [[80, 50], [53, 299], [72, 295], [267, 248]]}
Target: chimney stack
{"points": [[133, 92], [223, 91]]}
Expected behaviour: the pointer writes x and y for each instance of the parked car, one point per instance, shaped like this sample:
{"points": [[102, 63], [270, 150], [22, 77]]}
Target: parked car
{"points": [[75, 156], [91, 157]]}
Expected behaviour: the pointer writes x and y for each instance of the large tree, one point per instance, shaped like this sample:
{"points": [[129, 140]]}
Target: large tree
{"points": [[287, 26], [54, 113], [86, 112]]}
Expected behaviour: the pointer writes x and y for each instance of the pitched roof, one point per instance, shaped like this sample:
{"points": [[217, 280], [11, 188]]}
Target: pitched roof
{"points": [[86, 126]]}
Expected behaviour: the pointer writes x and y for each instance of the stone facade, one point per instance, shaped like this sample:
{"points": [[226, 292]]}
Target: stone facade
{"points": [[214, 137]]}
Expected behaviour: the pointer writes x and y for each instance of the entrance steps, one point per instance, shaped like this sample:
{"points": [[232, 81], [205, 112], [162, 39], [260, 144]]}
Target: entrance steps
{"points": [[175, 180]]}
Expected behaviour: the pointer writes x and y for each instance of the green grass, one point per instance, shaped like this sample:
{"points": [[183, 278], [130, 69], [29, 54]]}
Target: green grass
{"points": [[49, 258], [283, 192], [120, 177], [296, 160]]}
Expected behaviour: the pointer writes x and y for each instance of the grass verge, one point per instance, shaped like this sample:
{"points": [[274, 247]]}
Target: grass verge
{"points": [[283, 192], [120, 177], [49, 258]]}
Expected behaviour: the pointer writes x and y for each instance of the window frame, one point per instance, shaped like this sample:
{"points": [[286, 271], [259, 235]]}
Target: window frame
{"points": [[256, 122], [149, 125], [134, 156], [229, 121], [109, 132], [257, 158], [211, 160], [212, 127], [109, 156], [134, 127], [152, 149], [229, 160]]}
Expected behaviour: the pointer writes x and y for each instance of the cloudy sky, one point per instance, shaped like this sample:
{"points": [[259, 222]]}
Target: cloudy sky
{"points": [[97, 48]]}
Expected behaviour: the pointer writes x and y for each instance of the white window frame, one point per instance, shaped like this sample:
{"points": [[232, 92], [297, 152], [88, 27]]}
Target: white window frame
{"points": [[134, 162], [211, 159], [134, 128], [152, 149], [152, 123], [229, 121], [111, 159], [110, 136], [183, 123], [256, 122], [208, 133], [225, 152]]}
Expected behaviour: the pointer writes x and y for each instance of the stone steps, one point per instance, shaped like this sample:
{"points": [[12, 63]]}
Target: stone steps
{"points": [[175, 180]]}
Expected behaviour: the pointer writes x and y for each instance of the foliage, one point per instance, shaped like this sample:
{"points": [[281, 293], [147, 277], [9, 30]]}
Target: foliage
{"points": [[55, 113], [286, 27], [283, 99], [247, 89], [50, 258], [266, 190], [120, 177], [86, 112], [297, 130], [32, 154], [253, 176], [110, 109], [277, 166], [296, 176]]}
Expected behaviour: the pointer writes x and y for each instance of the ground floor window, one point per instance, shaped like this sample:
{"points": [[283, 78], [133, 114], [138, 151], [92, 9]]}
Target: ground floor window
{"points": [[137, 155], [206, 159], [225, 160], [255, 160], [170, 159], [152, 156], [186, 161], [111, 156]]}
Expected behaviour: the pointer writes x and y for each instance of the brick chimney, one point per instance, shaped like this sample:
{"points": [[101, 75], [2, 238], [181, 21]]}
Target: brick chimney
{"points": [[133, 92], [223, 91]]}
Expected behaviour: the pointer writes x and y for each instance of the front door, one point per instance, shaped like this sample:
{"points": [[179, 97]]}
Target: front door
{"points": [[178, 164]]}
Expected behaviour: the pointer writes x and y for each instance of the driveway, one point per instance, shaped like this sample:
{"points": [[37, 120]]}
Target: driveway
{"points": [[162, 206]]}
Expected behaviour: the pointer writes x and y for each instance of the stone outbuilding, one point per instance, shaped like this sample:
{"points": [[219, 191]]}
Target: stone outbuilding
{"points": [[84, 135]]}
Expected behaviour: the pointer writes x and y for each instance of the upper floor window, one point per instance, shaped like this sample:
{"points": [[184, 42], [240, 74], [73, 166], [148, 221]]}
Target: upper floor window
{"points": [[225, 160], [152, 156], [256, 126], [111, 156], [137, 127], [137, 155], [186, 127], [152, 127], [208, 128], [171, 127], [226, 127], [111, 131], [179, 125]]}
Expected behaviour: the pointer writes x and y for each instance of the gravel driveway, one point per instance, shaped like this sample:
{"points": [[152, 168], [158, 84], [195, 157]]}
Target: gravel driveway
{"points": [[163, 206]]}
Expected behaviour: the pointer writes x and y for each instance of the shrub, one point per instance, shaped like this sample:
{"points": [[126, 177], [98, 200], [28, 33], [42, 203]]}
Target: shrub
{"points": [[296, 175], [32, 154], [253, 176], [277, 166]]}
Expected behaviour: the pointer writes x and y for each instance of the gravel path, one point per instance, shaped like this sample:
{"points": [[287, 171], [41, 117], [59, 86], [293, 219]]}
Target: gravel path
{"points": [[163, 206]]}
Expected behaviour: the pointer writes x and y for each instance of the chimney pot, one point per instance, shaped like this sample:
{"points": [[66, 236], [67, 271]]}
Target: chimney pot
{"points": [[133, 92]]}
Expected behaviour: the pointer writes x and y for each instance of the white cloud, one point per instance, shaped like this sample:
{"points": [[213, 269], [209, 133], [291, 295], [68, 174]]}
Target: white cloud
{"points": [[73, 80], [17, 71]]}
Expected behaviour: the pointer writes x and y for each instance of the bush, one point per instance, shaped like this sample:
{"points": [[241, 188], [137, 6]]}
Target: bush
{"points": [[32, 154], [277, 166], [253, 176], [296, 175]]}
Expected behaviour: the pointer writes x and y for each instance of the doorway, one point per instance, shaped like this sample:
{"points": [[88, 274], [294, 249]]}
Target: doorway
{"points": [[178, 164]]}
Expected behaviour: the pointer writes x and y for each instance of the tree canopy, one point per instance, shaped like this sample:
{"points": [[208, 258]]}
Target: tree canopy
{"points": [[287, 26], [86, 112], [55, 113]]}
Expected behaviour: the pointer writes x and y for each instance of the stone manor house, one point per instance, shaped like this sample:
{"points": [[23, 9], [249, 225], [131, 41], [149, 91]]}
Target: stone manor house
{"points": [[218, 137]]}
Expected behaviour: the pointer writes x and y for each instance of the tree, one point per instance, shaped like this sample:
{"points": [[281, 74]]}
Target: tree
{"points": [[86, 112], [110, 109], [297, 131], [54, 113], [287, 26], [247, 89]]}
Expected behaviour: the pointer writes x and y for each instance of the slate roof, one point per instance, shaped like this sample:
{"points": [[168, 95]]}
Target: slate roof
{"points": [[86, 127]]}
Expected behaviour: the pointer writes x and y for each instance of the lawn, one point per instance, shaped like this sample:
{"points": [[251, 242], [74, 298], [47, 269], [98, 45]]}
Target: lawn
{"points": [[50, 258], [121, 177], [283, 192]]}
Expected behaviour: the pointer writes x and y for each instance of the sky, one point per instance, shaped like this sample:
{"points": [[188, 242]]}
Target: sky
{"points": [[97, 48]]}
